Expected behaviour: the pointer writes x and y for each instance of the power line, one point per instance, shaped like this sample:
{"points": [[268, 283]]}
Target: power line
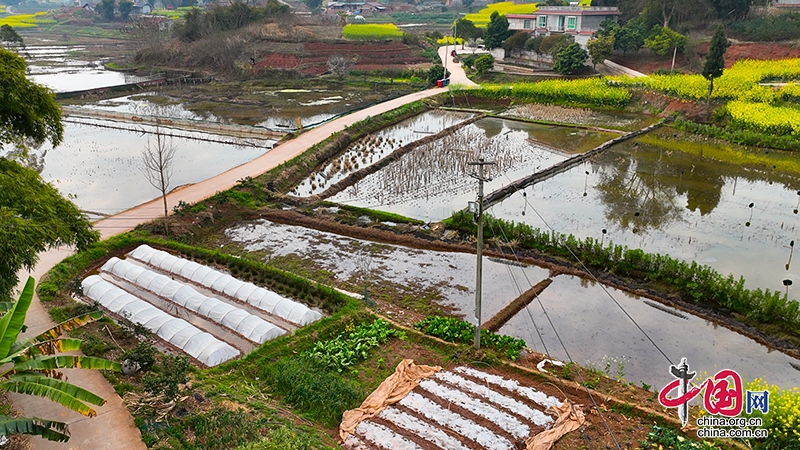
{"points": [[547, 352], [602, 286]]}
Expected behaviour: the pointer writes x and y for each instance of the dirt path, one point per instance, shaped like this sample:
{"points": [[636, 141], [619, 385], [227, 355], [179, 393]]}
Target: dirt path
{"points": [[113, 427]]}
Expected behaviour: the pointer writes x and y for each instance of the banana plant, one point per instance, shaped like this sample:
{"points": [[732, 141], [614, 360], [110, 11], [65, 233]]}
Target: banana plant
{"points": [[31, 366]]}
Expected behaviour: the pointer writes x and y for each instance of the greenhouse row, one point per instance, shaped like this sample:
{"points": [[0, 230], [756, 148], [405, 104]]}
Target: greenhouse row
{"points": [[259, 297], [202, 346], [250, 326]]}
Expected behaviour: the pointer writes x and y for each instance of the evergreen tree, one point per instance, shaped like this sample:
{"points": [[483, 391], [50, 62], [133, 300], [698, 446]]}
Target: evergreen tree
{"points": [[570, 59], [496, 31], [715, 60]]}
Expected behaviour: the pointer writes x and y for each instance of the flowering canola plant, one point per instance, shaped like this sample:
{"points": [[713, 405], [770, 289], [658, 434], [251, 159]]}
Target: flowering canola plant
{"points": [[25, 20], [587, 91], [783, 418], [371, 31], [482, 17]]}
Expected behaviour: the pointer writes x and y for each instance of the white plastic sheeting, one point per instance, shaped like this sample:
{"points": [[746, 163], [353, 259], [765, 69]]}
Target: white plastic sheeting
{"points": [[200, 345], [255, 329], [220, 282]]}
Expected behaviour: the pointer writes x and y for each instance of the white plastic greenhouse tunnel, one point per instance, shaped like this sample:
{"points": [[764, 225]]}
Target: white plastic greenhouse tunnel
{"points": [[200, 345], [250, 326], [223, 283]]}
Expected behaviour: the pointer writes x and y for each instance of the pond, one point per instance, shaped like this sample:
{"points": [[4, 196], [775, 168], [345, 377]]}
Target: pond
{"points": [[588, 321], [100, 167], [57, 68], [659, 195], [433, 180]]}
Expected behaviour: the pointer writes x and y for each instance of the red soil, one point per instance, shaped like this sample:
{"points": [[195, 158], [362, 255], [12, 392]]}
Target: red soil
{"points": [[368, 56]]}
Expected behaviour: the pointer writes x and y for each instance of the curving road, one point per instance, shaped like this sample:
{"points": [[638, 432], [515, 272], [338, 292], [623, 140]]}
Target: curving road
{"points": [[113, 427]]}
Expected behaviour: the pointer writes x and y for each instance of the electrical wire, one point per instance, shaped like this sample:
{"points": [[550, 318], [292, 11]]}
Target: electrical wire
{"points": [[563, 346]]}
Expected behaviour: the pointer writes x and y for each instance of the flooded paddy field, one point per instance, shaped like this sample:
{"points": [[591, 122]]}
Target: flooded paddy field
{"points": [[261, 103], [448, 277], [591, 325], [377, 146], [64, 69], [100, 168], [581, 116], [432, 181], [648, 194]]}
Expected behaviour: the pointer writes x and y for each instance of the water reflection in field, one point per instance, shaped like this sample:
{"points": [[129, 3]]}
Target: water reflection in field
{"points": [[100, 167], [433, 180], [592, 326], [663, 200]]}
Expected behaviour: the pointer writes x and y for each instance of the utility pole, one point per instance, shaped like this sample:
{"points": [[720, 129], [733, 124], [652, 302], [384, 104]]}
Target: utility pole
{"points": [[479, 270]]}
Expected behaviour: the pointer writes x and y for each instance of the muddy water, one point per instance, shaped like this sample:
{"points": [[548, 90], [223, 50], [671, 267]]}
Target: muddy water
{"points": [[101, 169], [671, 202], [452, 274], [377, 146], [432, 181], [57, 68], [592, 326]]}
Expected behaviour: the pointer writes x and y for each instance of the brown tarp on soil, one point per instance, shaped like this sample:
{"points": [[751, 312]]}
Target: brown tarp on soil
{"points": [[405, 378], [570, 418]]}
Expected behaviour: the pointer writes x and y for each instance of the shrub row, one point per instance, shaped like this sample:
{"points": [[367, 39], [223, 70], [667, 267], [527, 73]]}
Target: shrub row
{"points": [[699, 283]]}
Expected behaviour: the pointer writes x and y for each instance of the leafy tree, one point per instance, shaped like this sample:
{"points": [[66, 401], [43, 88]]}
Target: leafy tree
{"points": [[466, 29], [106, 9], [600, 49], [484, 63], [125, 8], [556, 3], [715, 60], [552, 44], [28, 111], [628, 38], [34, 217], [663, 40], [731, 9], [496, 32], [516, 41], [435, 74], [570, 59], [31, 367], [313, 4], [534, 44], [607, 27], [9, 36]]}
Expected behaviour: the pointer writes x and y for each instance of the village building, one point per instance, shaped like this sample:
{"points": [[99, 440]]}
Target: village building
{"points": [[581, 22]]}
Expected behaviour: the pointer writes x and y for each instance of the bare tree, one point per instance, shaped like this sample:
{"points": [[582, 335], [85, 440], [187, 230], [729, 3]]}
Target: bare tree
{"points": [[158, 158], [340, 65]]}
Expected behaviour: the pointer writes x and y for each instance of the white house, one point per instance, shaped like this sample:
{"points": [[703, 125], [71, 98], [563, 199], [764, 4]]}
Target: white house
{"points": [[578, 21]]}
